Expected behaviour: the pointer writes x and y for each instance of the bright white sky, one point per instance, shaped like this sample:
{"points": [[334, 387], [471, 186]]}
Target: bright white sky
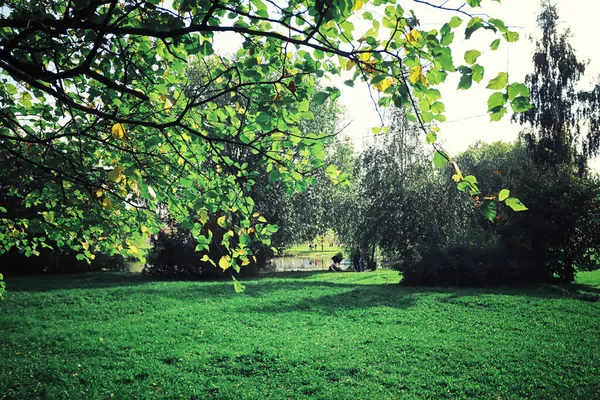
{"points": [[467, 120]]}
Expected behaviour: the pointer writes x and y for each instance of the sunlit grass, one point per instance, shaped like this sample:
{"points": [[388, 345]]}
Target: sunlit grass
{"points": [[296, 335], [303, 251]]}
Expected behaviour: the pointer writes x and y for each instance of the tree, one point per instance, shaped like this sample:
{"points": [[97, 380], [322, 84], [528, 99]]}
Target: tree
{"points": [[96, 109], [563, 125], [384, 169]]}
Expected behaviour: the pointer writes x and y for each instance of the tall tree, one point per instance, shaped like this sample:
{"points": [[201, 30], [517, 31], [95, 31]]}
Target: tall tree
{"points": [[94, 110], [563, 124]]}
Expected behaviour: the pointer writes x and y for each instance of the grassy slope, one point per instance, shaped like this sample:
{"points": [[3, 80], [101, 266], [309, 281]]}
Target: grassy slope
{"points": [[303, 335]]}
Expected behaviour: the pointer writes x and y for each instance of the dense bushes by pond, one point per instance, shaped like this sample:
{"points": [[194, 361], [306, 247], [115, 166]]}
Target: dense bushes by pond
{"points": [[445, 241], [173, 254]]}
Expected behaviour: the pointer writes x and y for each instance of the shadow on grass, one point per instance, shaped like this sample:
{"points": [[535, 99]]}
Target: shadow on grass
{"points": [[329, 296], [91, 280]]}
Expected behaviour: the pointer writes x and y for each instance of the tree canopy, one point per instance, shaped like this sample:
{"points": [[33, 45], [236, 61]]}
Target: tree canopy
{"points": [[102, 134], [563, 126]]}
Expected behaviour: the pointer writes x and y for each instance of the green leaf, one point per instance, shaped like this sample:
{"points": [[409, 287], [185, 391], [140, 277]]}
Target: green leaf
{"points": [[495, 44], [431, 137], [497, 99], [320, 97], [515, 204], [471, 179], [503, 195], [455, 22], [317, 151], [274, 175], [471, 56], [474, 3], [439, 160], [465, 82], [489, 210], [438, 107], [499, 82], [511, 36], [520, 104], [517, 89], [237, 286], [497, 113], [303, 106], [478, 72]]}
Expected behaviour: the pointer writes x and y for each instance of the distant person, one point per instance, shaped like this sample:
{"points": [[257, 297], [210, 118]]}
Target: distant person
{"points": [[358, 260], [335, 266]]}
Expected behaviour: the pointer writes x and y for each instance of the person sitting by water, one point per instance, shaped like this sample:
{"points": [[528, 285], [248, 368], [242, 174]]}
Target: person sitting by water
{"points": [[335, 266]]}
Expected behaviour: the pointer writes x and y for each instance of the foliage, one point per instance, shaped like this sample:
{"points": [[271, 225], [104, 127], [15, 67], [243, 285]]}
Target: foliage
{"points": [[360, 333], [406, 204], [174, 254], [58, 261], [96, 107], [462, 266], [559, 232], [563, 125], [324, 209]]}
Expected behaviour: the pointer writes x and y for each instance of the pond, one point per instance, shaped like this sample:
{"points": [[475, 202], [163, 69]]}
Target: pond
{"points": [[284, 264]]}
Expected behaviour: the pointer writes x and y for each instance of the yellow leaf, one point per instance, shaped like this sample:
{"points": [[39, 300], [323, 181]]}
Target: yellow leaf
{"points": [[413, 36], [238, 287], [457, 177], [186, 137], [364, 56], [224, 262], [106, 203], [181, 161], [99, 193], [245, 262], [85, 245], [204, 258], [118, 131], [349, 65], [116, 174], [168, 104], [203, 215], [230, 232], [262, 219], [133, 250], [135, 186], [384, 84], [416, 74], [358, 5], [221, 221]]}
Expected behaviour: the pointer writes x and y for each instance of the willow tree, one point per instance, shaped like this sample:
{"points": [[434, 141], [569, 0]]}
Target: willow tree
{"points": [[97, 130]]}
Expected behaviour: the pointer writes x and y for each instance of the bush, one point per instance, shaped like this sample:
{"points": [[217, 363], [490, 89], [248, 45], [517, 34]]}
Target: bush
{"points": [[464, 266], [56, 262], [174, 255]]}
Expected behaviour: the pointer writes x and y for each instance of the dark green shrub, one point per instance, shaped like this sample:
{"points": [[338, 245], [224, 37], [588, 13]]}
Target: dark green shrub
{"points": [[174, 255], [57, 261]]}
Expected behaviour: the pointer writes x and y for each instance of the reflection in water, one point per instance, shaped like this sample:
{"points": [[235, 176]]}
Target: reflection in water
{"points": [[283, 264]]}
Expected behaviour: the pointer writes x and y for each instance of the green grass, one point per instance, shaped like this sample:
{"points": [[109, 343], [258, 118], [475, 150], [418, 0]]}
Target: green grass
{"points": [[297, 335], [304, 252]]}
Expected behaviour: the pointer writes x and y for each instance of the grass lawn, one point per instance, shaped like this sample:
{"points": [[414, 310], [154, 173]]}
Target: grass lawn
{"points": [[304, 252], [300, 335]]}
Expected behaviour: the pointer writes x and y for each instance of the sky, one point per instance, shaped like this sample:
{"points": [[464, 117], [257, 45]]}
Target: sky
{"points": [[466, 111], [467, 120]]}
